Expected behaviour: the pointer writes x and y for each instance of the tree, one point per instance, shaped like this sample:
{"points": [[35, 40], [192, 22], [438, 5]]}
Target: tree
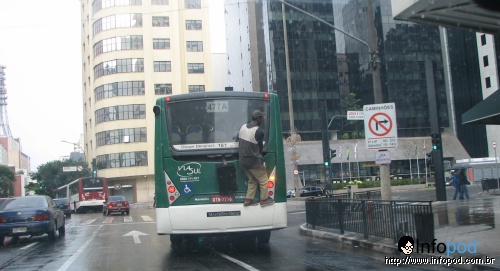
{"points": [[351, 104], [7, 179], [50, 176]]}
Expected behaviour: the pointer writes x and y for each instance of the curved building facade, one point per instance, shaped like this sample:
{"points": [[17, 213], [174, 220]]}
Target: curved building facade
{"points": [[133, 52]]}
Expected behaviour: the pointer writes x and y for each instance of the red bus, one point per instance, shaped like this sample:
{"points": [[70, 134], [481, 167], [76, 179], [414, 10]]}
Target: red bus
{"points": [[85, 194]]}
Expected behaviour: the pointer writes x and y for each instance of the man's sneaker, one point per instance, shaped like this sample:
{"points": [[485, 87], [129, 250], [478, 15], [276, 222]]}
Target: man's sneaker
{"points": [[268, 201], [249, 202]]}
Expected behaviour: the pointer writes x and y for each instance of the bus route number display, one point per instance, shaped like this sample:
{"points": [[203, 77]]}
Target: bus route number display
{"points": [[217, 106]]}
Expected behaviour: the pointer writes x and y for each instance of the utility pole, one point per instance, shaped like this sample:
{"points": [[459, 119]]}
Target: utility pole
{"points": [[385, 179], [293, 138]]}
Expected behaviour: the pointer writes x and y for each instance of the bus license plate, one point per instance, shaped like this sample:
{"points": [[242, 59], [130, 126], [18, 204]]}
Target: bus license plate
{"points": [[19, 230], [222, 198]]}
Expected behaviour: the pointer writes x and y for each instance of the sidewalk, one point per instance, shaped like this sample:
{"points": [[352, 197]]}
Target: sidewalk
{"points": [[455, 222]]}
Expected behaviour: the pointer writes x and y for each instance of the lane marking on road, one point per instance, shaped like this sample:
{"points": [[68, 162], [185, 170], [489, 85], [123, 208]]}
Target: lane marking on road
{"points": [[294, 213], [68, 262], [238, 262], [146, 218], [135, 235], [30, 245], [116, 224], [128, 219], [108, 220], [88, 222]]}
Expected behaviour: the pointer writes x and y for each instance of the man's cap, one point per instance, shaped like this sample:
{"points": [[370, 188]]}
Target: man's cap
{"points": [[257, 113]]}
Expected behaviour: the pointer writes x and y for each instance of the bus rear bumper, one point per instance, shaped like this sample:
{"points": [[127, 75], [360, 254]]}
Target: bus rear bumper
{"points": [[220, 218]]}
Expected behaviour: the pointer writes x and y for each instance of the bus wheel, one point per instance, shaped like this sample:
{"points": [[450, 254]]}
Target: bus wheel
{"points": [[263, 237], [176, 240]]}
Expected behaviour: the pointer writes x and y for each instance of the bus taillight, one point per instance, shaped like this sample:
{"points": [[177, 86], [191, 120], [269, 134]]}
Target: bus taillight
{"points": [[271, 183], [172, 191]]}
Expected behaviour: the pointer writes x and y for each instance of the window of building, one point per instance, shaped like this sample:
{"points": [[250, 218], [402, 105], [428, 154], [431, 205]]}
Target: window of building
{"points": [[159, 2], [117, 21], [196, 68], [162, 89], [161, 43], [192, 4], [117, 136], [196, 88], [118, 43], [102, 4], [127, 88], [488, 82], [118, 66], [194, 46], [120, 112], [485, 61], [123, 159], [483, 39], [160, 21], [193, 25], [162, 66]]}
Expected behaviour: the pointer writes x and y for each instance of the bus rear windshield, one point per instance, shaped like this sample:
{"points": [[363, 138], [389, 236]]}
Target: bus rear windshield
{"points": [[212, 124], [92, 184]]}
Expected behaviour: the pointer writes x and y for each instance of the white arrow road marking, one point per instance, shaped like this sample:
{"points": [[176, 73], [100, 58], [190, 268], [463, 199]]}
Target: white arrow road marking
{"points": [[146, 218], [135, 234]]}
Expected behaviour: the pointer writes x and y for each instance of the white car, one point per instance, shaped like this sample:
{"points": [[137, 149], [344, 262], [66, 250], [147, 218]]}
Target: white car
{"points": [[290, 193]]}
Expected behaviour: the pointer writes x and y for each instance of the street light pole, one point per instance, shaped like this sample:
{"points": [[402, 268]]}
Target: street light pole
{"points": [[74, 144], [372, 46]]}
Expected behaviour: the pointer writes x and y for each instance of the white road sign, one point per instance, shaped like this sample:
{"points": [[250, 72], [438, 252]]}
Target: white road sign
{"points": [[380, 126], [355, 115], [382, 157], [79, 168], [69, 169]]}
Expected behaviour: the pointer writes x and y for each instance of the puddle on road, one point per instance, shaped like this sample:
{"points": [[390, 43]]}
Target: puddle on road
{"points": [[465, 213]]}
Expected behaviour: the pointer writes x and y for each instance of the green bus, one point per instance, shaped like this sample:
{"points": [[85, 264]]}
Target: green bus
{"points": [[199, 186]]}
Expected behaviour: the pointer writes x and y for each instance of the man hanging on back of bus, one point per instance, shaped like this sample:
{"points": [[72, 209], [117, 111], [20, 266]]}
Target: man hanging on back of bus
{"points": [[251, 138]]}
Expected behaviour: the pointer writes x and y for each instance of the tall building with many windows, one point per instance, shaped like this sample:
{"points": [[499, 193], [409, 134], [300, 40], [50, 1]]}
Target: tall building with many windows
{"points": [[133, 52]]}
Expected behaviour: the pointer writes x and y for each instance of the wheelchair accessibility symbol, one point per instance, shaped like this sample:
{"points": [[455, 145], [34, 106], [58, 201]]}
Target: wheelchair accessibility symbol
{"points": [[188, 188]]}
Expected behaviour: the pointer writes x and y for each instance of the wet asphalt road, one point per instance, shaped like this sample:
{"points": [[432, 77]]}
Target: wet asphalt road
{"points": [[97, 242]]}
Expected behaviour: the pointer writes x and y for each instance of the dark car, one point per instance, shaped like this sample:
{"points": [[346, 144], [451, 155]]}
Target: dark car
{"points": [[116, 204], [30, 215], [311, 191], [64, 205]]}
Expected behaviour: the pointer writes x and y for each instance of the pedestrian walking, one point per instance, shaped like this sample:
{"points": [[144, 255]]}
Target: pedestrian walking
{"points": [[464, 182], [250, 140], [456, 184]]}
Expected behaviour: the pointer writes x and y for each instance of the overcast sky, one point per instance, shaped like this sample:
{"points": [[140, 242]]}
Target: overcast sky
{"points": [[40, 46]]}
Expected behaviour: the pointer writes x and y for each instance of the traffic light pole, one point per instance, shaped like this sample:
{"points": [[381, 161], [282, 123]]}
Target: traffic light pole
{"points": [[326, 147], [437, 150]]}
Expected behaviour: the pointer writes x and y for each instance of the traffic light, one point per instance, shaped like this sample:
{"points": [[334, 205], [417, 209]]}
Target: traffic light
{"points": [[333, 153], [326, 160], [436, 141], [429, 158]]}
